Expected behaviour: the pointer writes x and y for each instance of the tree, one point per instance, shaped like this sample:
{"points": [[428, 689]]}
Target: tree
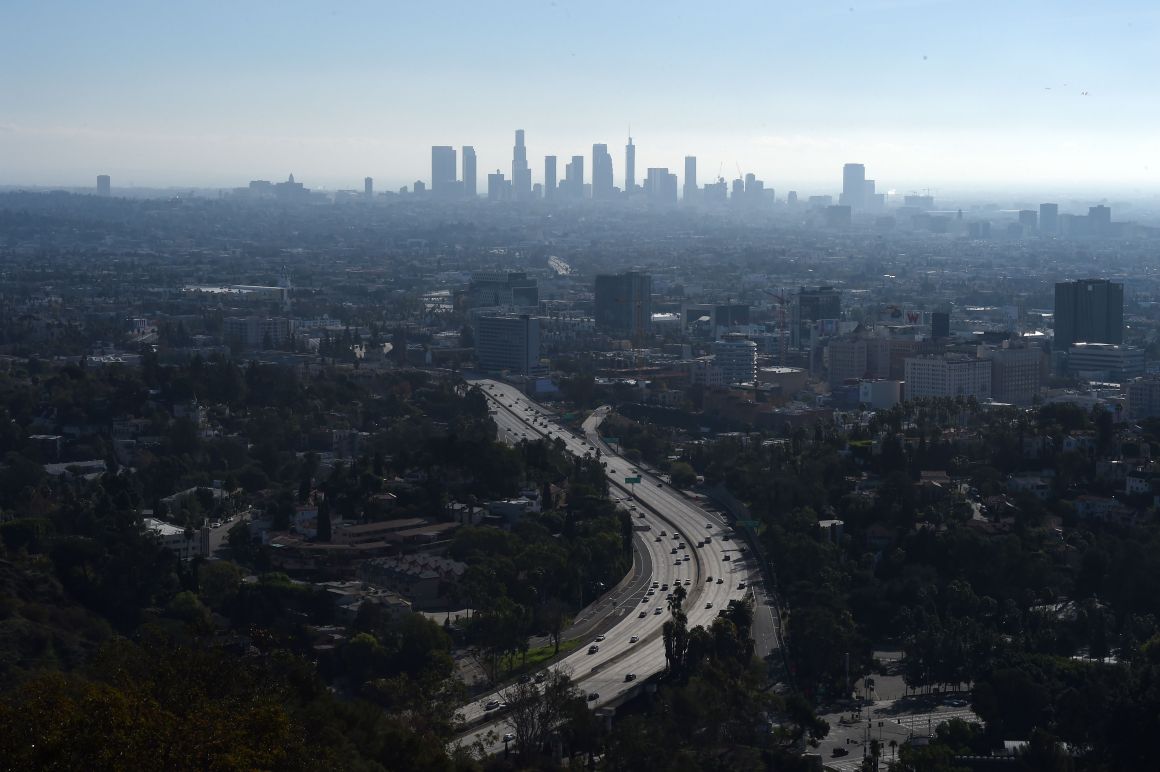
{"points": [[682, 475], [535, 713]]}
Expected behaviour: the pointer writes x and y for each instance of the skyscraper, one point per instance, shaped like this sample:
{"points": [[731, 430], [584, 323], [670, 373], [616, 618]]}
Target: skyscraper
{"points": [[690, 189], [104, 185], [660, 187], [1099, 220], [1049, 219], [602, 187], [549, 176], [442, 171], [368, 187], [624, 303], [629, 167], [470, 186], [1088, 311], [574, 177], [853, 185], [521, 172]]}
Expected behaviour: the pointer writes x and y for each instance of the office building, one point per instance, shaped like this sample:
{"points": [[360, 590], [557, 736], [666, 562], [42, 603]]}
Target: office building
{"points": [[498, 189], [573, 186], [508, 342], [952, 375], [1105, 362], [549, 176], [690, 189], [502, 289], [521, 172], [1090, 311], [736, 357], [848, 359], [1143, 398], [254, 332], [624, 304], [104, 185], [853, 186], [470, 188], [660, 187], [1049, 219], [1016, 373], [808, 305], [629, 167], [602, 187], [1099, 220], [1028, 221], [443, 182], [940, 324], [369, 187]]}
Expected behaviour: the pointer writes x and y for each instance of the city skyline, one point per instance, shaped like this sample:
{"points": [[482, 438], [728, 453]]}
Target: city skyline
{"points": [[928, 95]]}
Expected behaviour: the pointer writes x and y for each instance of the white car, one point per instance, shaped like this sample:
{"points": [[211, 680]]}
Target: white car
{"points": [[634, 638]]}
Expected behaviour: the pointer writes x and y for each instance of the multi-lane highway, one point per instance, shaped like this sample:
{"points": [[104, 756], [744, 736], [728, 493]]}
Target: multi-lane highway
{"points": [[684, 544]]}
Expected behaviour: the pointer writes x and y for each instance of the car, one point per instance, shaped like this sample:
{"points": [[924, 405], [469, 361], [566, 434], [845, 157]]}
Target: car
{"points": [[540, 677], [656, 584], [687, 582], [957, 703], [612, 470], [720, 581], [665, 586], [673, 551], [708, 578], [726, 537], [660, 485], [726, 557], [678, 562], [651, 591], [492, 704], [629, 677], [687, 557], [709, 604], [507, 738], [599, 638], [657, 539], [841, 752], [643, 614], [741, 585], [657, 610], [708, 525], [663, 532], [634, 639], [644, 600], [593, 649], [593, 696], [681, 545]]}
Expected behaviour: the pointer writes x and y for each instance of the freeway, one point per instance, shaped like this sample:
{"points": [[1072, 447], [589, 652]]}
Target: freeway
{"points": [[711, 573]]}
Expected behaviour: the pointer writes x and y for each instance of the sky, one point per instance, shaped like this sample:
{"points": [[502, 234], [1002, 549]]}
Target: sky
{"points": [[1012, 94]]}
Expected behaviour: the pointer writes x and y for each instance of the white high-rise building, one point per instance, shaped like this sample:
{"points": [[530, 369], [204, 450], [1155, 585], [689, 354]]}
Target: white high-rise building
{"points": [[953, 375], [736, 357]]}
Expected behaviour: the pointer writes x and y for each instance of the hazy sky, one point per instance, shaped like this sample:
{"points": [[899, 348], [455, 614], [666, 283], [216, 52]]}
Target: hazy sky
{"points": [[925, 93]]}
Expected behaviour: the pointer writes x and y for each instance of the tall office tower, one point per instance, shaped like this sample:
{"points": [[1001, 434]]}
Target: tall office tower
{"points": [[442, 171], [521, 172], [508, 342], [498, 189], [660, 187], [1049, 219], [1099, 220], [574, 177], [502, 289], [736, 357], [602, 187], [104, 185], [690, 188], [810, 305], [629, 168], [549, 176], [791, 198], [369, 187], [624, 303], [1088, 311], [470, 187], [1028, 220], [853, 185]]}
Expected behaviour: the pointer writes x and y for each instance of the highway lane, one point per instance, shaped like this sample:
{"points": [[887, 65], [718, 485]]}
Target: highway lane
{"points": [[664, 510]]}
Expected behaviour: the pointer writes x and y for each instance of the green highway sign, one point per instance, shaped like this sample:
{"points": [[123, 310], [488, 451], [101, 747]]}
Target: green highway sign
{"points": [[632, 480]]}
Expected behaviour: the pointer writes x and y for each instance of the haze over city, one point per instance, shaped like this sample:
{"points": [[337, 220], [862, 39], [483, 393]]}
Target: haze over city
{"points": [[1034, 96]]}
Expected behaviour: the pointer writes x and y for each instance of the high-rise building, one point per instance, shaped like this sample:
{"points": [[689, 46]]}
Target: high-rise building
{"points": [[690, 188], [602, 187], [104, 185], [470, 188], [1089, 311], [629, 167], [574, 177], [847, 359], [1049, 219], [810, 305], [660, 187], [1028, 220], [443, 171], [624, 303], [549, 176], [853, 186], [736, 357], [368, 187], [1105, 362], [1016, 373], [521, 172], [508, 342], [502, 289], [498, 189], [1144, 397], [1099, 220], [952, 375]]}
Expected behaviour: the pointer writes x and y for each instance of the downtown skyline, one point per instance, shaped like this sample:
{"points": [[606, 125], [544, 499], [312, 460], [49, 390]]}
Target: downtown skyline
{"points": [[1046, 96]]}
